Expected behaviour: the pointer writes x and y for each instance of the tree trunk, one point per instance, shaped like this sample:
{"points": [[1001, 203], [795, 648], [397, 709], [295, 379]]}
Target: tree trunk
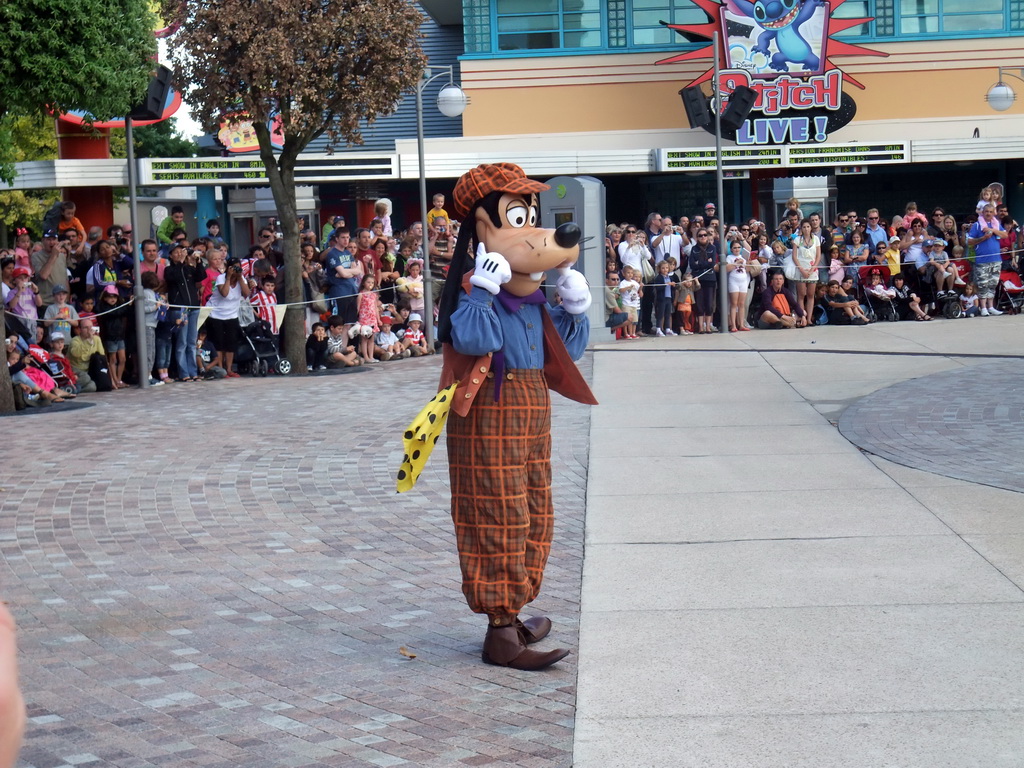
{"points": [[6, 387], [281, 175], [294, 332]]}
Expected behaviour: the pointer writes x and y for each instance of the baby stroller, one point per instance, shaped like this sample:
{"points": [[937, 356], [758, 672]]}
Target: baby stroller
{"points": [[257, 351], [879, 308], [1010, 293]]}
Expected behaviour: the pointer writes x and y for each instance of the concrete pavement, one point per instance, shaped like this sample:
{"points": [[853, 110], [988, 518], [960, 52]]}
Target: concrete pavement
{"points": [[221, 574], [759, 592]]}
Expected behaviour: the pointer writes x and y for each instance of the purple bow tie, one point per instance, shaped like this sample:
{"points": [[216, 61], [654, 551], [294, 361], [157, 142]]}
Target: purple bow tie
{"points": [[513, 303]]}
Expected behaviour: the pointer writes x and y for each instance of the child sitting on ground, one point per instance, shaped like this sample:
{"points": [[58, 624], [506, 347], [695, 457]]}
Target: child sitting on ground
{"points": [[969, 301], [386, 345], [414, 340], [206, 353], [339, 353], [316, 348]]}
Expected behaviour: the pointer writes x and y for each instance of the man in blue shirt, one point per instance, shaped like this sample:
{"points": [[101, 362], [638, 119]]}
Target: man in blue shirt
{"points": [[343, 273], [984, 236]]}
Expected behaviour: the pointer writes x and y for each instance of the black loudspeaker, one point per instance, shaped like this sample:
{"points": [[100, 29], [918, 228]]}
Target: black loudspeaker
{"points": [[152, 107], [741, 101], [698, 112]]}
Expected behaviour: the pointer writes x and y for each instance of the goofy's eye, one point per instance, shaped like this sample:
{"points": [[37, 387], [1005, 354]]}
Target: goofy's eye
{"points": [[759, 12], [519, 216]]}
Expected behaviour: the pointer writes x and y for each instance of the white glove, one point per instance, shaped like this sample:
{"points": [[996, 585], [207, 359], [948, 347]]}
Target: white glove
{"points": [[355, 331], [492, 270], [574, 291]]}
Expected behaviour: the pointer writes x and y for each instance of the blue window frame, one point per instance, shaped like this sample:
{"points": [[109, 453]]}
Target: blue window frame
{"points": [[952, 17], [529, 25], [558, 27], [645, 17], [856, 9]]}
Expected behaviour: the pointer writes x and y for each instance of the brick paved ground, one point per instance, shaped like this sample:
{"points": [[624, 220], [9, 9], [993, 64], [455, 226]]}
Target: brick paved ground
{"points": [[967, 423], [221, 574]]}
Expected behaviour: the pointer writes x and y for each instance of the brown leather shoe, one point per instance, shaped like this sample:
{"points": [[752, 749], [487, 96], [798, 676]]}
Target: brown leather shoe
{"points": [[505, 647], [534, 629]]}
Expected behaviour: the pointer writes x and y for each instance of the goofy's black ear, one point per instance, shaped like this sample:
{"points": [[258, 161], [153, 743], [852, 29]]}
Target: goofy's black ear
{"points": [[463, 259]]}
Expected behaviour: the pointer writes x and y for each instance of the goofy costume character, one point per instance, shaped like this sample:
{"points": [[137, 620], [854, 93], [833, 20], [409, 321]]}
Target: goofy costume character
{"points": [[504, 348]]}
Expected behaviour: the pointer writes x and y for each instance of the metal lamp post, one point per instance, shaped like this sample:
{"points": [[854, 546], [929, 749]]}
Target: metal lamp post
{"points": [[723, 274], [451, 102]]}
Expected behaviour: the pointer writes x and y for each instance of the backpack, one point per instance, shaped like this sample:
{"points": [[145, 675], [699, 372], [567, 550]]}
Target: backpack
{"points": [[99, 373]]}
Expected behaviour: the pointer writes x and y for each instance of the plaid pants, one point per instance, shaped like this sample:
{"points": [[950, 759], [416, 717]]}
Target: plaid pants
{"points": [[499, 459]]}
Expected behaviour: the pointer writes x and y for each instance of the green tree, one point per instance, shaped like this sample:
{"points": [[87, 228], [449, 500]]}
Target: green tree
{"points": [[320, 66], [31, 138], [63, 55]]}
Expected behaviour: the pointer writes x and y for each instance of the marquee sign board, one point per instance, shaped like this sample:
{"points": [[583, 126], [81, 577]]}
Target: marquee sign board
{"points": [[754, 158], [783, 50]]}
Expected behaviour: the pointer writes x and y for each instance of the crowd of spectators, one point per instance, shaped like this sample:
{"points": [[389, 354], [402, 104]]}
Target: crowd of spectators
{"points": [[662, 276], [69, 300], [70, 316]]}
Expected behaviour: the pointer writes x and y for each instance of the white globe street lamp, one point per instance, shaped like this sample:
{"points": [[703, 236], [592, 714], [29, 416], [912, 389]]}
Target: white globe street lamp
{"points": [[1001, 96], [452, 101]]}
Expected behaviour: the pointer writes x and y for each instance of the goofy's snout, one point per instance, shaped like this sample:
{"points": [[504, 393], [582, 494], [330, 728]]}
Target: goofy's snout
{"points": [[567, 235]]}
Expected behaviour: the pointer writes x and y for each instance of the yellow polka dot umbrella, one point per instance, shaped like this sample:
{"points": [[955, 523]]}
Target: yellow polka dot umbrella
{"points": [[421, 436]]}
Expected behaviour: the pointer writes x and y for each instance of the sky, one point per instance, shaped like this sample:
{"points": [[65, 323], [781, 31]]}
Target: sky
{"points": [[184, 122]]}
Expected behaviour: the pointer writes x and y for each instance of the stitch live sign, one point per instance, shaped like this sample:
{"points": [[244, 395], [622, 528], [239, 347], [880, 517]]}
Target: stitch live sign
{"points": [[783, 51], [782, 100]]}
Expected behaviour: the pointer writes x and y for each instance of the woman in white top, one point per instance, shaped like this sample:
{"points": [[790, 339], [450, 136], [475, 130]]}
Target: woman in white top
{"points": [[632, 250], [222, 325], [806, 258], [739, 281]]}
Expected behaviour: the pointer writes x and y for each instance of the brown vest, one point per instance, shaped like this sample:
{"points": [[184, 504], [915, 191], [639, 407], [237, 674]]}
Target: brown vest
{"points": [[560, 371]]}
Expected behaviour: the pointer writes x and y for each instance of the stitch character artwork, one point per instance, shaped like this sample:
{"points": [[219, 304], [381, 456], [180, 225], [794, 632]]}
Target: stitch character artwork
{"points": [[781, 22]]}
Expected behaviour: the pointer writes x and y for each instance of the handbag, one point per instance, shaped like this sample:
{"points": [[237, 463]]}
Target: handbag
{"points": [[789, 268], [647, 270]]}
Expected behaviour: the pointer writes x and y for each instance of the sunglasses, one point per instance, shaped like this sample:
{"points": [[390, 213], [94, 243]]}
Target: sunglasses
{"points": [[872, 218], [702, 234], [630, 231]]}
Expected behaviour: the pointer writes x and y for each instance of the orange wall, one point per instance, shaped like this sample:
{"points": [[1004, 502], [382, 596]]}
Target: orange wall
{"points": [[557, 96]]}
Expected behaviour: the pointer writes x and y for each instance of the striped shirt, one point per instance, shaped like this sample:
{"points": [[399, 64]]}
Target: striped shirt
{"points": [[264, 304]]}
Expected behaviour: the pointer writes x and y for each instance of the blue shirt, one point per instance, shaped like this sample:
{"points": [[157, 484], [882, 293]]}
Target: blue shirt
{"points": [[987, 251], [481, 325], [340, 286]]}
